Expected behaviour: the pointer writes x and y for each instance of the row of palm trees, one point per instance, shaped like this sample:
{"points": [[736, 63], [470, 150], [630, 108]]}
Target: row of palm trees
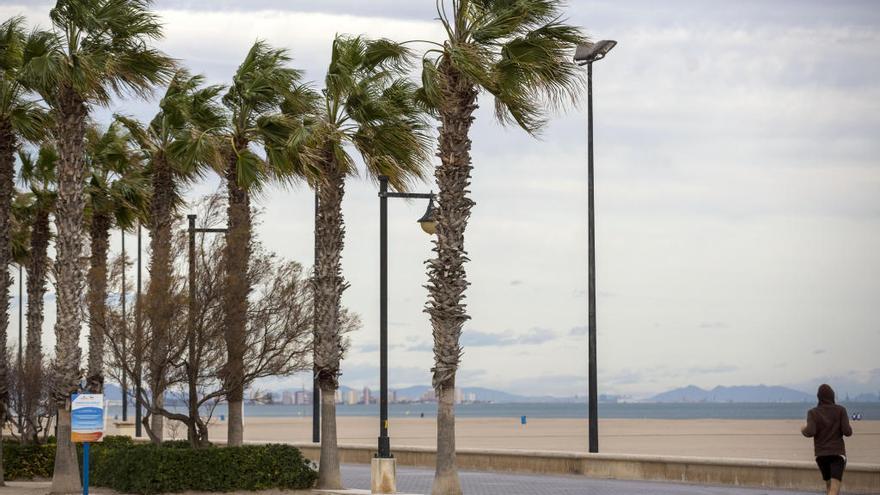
{"points": [[267, 127]]}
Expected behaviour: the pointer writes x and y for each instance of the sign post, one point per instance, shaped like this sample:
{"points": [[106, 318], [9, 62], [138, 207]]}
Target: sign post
{"points": [[86, 426]]}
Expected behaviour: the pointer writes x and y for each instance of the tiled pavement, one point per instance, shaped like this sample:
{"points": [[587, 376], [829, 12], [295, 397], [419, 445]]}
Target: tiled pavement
{"points": [[418, 480]]}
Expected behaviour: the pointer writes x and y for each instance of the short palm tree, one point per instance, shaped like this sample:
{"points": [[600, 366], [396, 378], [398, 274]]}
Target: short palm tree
{"points": [[177, 146], [116, 196], [261, 87], [520, 53], [38, 175], [98, 49], [20, 119], [369, 105]]}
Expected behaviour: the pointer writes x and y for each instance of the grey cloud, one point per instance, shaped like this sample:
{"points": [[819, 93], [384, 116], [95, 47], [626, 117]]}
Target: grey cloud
{"points": [[476, 338], [579, 331], [372, 8], [625, 377], [704, 370], [421, 347], [372, 347], [819, 351], [514, 283]]}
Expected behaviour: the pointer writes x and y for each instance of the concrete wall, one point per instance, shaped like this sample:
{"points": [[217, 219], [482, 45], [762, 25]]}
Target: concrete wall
{"points": [[859, 478]]}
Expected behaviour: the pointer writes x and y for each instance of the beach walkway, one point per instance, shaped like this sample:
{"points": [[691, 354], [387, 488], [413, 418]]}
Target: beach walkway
{"points": [[418, 481]]}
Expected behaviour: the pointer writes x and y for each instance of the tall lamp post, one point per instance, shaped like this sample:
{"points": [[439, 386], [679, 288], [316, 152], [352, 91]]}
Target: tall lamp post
{"points": [[429, 225], [316, 389], [192, 358], [586, 54], [20, 338], [138, 345], [124, 335]]}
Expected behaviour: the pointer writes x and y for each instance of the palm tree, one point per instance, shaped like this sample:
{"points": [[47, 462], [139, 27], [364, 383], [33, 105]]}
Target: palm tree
{"points": [[262, 85], [99, 48], [369, 104], [20, 119], [177, 145], [520, 53], [117, 195], [38, 174]]}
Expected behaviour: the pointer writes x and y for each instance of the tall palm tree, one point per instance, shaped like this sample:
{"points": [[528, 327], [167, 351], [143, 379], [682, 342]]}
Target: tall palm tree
{"points": [[178, 145], [262, 85], [116, 196], [520, 53], [37, 174], [20, 119], [368, 104], [98, 49]]}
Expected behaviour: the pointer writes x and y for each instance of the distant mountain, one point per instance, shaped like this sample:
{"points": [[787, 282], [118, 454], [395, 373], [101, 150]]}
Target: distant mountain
{"points": [[741, 393]]}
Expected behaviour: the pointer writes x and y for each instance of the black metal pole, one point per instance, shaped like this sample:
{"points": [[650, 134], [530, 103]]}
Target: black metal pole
{"points": [[192, 365], [124, 336], [593, 388], [316, 390], [139, 344], [384, 441], [20, 362]]}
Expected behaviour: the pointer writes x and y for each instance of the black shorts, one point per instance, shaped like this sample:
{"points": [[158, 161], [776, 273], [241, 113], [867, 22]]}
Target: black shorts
{"points": [[832, 466]]}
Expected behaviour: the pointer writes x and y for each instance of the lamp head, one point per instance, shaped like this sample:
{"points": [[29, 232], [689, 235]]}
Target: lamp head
{"points": [[429, 220], [588, 53]]}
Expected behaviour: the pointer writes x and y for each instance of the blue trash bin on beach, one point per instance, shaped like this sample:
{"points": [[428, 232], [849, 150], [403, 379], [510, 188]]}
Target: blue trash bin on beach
{"points": [[522, 420]]}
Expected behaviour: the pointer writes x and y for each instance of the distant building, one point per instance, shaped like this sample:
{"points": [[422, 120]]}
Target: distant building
{"points": [[338, 397], [365, 397], [302, 398], [392, 396], [429, 396], [287, 398], [459, 396], [471, 397], [352, 398]]}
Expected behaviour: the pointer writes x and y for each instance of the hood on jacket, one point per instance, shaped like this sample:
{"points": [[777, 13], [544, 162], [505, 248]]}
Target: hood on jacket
{"points": [[825, 394]]}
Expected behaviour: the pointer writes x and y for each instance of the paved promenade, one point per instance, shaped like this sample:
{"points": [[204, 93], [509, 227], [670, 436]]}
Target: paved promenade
{"points": [[418, 481]]}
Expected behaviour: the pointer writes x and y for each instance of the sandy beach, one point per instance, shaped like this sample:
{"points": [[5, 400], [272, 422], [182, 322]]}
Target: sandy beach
{"points": [[759, 439]]}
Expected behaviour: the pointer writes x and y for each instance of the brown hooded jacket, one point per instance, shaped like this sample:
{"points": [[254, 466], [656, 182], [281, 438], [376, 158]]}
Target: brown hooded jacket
{"points": [[827, 424]]}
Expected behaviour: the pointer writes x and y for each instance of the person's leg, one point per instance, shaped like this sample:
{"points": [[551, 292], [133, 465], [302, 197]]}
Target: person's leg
{"points": [[825, 471], [833, 487], [836, 466]]}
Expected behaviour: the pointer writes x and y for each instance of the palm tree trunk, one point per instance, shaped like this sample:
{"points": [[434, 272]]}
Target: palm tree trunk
{"points": [[69, 277], [329, 476], [447, 279], [160, 311], [37, 268], [65, 479], [97, 297], [236, 258], [7, 189], [329, 285]]}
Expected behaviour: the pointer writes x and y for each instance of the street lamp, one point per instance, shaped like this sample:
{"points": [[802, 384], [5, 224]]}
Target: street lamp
{"points": [[586, 54], [192, 365], [138, 344], [429, 225], [316, 389]]}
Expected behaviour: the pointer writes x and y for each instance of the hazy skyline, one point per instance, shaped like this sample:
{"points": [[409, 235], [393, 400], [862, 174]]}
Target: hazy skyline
{"points": [[738, 199]]}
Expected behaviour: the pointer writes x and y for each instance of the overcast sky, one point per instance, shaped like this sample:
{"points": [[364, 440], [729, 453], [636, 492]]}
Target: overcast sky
{"points": [[738, 198]]}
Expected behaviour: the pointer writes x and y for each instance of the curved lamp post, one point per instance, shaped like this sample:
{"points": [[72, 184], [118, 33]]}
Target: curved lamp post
{"points": [[586, 54], [429, 225]]}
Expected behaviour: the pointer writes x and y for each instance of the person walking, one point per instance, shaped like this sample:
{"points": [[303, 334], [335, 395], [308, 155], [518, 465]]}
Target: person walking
{"points": [[827, 424]]}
